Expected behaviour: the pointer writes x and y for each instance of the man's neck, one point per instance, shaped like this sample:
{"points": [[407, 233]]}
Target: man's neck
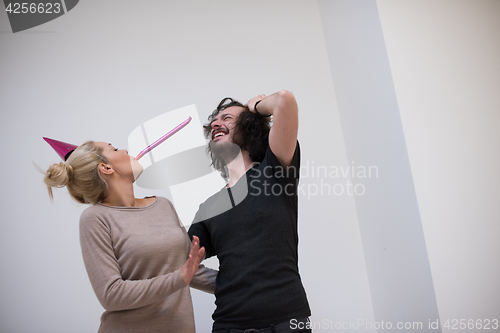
{"points": [[238, 167]]}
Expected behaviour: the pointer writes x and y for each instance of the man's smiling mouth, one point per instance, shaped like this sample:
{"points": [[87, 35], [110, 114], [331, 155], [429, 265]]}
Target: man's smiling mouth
{"points": [[219, 133]]}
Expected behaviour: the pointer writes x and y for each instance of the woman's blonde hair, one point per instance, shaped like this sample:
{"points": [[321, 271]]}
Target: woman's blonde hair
{"points": [[80, 174]]}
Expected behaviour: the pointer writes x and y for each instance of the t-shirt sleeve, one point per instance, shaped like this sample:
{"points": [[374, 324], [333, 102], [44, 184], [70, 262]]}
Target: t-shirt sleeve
{"points": [[285, 175], [103, 269], [200, 230], [204, 278]]}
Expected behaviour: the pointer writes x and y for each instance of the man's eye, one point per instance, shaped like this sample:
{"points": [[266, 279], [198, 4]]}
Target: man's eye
{"points": [[116, 149]]}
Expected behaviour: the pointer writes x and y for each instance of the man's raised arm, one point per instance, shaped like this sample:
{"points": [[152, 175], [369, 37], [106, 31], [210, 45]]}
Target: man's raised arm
{"points": [[283, 135]]}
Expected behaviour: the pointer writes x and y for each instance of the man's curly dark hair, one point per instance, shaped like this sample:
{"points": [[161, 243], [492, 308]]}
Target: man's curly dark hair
{"points": [[251, 133]]}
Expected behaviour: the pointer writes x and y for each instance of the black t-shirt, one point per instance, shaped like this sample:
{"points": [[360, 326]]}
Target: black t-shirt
{"points": [[252, 228]]}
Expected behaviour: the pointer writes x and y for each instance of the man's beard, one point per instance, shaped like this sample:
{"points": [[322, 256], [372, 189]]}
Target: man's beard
{"points": [[223, 153]]}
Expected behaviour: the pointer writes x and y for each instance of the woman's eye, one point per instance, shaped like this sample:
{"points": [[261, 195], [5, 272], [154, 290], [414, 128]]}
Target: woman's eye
{"points": [[116, 149]]}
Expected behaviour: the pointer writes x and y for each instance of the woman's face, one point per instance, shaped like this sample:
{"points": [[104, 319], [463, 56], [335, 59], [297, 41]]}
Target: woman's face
{"points": [[121, 161]]}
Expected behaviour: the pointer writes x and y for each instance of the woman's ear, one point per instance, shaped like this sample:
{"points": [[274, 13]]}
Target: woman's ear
{"points": [[106, 169]]}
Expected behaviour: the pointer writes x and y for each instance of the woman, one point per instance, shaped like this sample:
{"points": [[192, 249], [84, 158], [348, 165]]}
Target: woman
{"points": [[134, 250]]}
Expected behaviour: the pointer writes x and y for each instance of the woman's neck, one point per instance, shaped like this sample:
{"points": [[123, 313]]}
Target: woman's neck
{"points": [[120, 194]]}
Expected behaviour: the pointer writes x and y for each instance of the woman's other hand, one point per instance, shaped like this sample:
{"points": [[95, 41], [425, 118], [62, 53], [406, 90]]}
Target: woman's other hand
{"points": [[195, 257]]}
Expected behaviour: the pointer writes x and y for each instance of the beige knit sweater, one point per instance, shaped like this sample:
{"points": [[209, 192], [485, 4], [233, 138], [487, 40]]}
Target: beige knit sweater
{"points": [[133, 257]]}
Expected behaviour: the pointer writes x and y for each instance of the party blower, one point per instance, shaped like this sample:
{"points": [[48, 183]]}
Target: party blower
{"points": [[163, 138]]}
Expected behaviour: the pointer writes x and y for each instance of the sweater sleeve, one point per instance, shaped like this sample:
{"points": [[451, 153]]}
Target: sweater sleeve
{"points": [[103, 269], [204, 279]]}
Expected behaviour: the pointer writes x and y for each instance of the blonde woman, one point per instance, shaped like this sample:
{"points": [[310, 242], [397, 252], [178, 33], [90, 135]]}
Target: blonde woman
{"points": [[138, 256]]}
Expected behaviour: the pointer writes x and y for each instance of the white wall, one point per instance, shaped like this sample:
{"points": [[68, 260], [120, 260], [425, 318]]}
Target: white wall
{"points": [[444, 57], [106, 67], [397, 264]]}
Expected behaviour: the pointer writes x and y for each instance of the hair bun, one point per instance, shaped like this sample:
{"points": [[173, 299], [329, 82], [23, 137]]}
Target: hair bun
{"points": [[59, 175], [69, 171]]}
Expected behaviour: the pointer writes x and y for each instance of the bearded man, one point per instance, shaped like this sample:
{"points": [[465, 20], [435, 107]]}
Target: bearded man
{"points": [[251, 224]]}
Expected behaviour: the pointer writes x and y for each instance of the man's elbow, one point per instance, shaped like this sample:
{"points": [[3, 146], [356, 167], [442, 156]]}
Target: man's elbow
{"points": [[287, 101]]}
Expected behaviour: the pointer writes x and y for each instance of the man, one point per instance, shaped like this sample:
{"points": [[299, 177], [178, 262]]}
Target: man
{"points": [[251, 224]]}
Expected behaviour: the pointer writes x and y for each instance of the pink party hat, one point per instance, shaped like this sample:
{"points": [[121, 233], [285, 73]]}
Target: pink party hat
{"points": [[62, 149]]}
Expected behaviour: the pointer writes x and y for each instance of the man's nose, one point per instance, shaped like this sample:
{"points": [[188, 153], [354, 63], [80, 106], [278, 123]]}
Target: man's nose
{"points": [[215, 124]]}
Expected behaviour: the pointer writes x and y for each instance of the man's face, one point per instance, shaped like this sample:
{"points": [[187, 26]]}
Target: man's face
{"points": [[224, 123]]}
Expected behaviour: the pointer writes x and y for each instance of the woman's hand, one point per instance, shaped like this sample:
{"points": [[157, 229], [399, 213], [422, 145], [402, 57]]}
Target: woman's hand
{"points": [[195, 257]]}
